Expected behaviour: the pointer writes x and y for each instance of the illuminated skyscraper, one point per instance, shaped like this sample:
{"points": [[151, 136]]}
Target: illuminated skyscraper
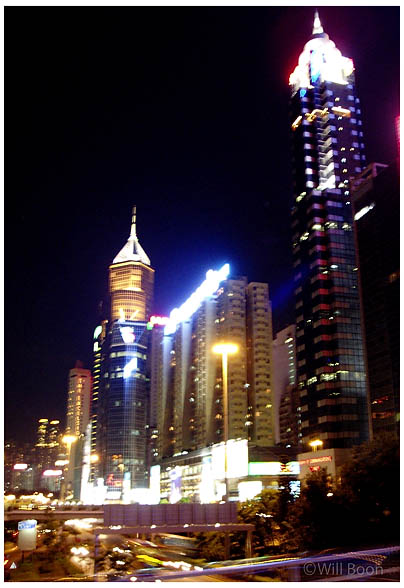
{"points": [[123, 382], [99, 363], [328, 149], [78, 401]]}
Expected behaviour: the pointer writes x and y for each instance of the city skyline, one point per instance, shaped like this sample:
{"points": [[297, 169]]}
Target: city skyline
{"points": [[65, 263]]}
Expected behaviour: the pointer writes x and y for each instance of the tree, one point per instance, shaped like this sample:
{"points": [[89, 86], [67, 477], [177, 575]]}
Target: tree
{"points": [[311, 517], [369, 491]]}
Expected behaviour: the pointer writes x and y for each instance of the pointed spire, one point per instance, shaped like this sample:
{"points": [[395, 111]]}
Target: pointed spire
{"points": [[132, 251], [133, 225], [317, 28]]}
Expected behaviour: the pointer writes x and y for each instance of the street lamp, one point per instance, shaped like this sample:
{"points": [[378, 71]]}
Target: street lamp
{"points": [[225, 349], [316, 444]]}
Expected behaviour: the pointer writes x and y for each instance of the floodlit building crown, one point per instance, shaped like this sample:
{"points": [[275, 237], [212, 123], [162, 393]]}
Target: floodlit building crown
{"points": [[132, 250], [321, 61]]}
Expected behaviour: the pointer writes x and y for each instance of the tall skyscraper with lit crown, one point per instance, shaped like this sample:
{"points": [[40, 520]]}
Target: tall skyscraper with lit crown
{"points": [[328, 149], [122, 378]]}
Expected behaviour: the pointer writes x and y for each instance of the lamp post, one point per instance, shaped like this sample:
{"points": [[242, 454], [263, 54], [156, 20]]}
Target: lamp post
{"points": [[225, 349]]}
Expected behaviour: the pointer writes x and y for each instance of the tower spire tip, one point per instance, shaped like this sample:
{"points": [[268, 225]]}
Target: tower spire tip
{"points": [[317, 28]]}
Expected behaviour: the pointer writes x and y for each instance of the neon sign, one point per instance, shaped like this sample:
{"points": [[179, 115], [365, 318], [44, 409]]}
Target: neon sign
{"points": [[52, 473], [97, 331], [159, 320], [20, 466], [128, 334], [191, 305]]}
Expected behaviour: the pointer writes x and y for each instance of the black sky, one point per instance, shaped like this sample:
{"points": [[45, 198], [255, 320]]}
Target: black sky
{"points": [[182, 111]]}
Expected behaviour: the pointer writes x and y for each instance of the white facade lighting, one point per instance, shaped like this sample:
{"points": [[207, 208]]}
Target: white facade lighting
{"points": [[191, 305]]}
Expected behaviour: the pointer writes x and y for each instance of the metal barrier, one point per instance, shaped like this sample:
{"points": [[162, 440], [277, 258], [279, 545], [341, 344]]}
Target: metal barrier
{"points": [[355, 565], [130, 515]]}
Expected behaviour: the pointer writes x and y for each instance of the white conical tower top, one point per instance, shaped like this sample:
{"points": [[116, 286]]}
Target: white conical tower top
{"points": [[317, 28], [320, 61], [132, 250]]}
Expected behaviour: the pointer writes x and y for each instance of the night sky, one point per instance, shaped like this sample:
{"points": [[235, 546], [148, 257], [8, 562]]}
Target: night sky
{"points": [[181, 111]]}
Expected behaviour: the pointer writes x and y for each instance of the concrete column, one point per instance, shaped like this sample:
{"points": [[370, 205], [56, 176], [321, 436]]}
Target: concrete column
{"points": [[248, 544]]}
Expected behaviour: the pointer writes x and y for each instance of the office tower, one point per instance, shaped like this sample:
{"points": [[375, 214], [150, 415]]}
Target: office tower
{"points": [[48, 443], [190, 382], [289, 417], [42, 432], [376, 202], [156, 325], [328, 149], [78, 400], [284, 374], [99, 362], [122, 407], [259, 363]]}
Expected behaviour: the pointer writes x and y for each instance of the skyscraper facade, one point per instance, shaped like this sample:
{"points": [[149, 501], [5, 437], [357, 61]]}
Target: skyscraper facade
{"points": [[284, 384], [78, 401], [189, 385], [328, 149], [376, 201], [123, 382]]}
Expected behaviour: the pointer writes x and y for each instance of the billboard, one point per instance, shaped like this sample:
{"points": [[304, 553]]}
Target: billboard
{"points": [[273, 468], [27, 535], [237, 459]]}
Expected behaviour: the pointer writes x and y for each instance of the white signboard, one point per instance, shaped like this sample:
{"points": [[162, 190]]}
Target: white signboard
{"points": [[27, 535], [237, 459]]}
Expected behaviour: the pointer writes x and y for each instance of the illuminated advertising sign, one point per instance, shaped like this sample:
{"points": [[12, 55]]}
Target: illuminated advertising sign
{"points": [[247, 490], [175, 485], [97, 331], [52, 473], [207, 486], [316, 460], [155, 484], [273, 468], [237, 459], [20, 466], [27, 535], [191, 305], [162, 321]]}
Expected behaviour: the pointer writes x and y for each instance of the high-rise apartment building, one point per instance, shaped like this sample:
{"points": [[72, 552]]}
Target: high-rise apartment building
{"points": [[189, 384], [259, 363], [122, 361], [328, 149], [376, 202], [284, 382], [78, 400]]}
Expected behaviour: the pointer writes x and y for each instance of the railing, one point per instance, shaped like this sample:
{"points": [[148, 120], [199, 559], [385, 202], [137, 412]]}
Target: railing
{"points": [[378, 564]]}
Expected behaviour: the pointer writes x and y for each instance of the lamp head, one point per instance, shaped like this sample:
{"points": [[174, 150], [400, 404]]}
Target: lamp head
{"points": [[316, 443], [69, 439], [225, 348]]}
